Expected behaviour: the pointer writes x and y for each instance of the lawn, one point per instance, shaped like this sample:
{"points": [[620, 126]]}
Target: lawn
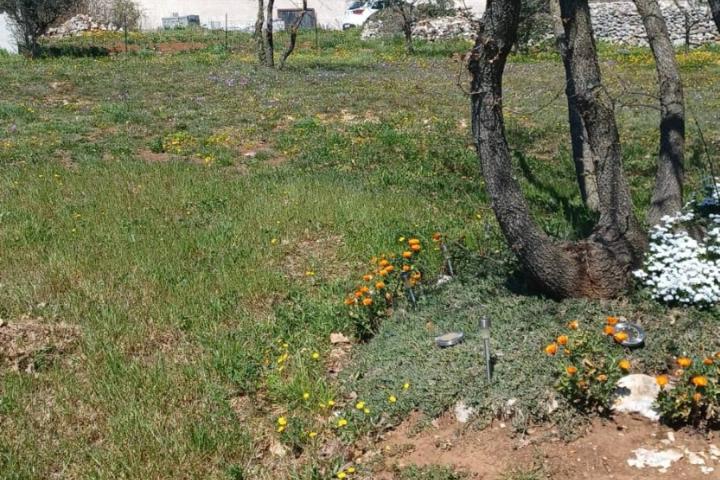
{"points": [[200, 220]]}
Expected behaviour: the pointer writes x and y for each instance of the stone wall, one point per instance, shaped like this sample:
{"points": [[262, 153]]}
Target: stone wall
{"points": [[613, 21]]}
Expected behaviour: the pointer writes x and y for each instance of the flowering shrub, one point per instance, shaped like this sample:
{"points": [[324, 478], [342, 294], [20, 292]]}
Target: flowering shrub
{"points": [[692, 394], [680, 269], [389, 278], [589, 364]]}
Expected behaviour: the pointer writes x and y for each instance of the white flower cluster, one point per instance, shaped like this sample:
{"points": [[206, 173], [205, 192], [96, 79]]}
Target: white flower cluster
{"points": [[678, 268]]}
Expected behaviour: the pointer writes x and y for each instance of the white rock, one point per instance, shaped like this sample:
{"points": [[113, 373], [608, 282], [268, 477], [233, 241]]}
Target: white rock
{"points": [[693, 458], [636, 393], [443, 280], [660, 459], [707, 470], [714, 451], [463, 412]]}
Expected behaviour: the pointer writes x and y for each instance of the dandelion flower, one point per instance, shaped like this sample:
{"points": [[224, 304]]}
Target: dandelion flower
{"points": [[401, 239], [331, 403], [281, 429], [341, 474], [315, 355], [406, 386], [562, 340], [312, 434], [684, 362], [342, 422], [551, 349], [360, 405], [350, 470], [282, 421], [392, 399], [273, 241], [306, 396], [366, 411]]}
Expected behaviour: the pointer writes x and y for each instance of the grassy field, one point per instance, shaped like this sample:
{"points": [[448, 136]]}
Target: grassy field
{"points": [[199, 217]]}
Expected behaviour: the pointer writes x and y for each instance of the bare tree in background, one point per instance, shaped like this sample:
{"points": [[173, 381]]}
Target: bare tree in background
{"points": [[259, 36], [406, 10], [293, 35], [690, 21], [583, 157], [667, 197], [33, 18]]}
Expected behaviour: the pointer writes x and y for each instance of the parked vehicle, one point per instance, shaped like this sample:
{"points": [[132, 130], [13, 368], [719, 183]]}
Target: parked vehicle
{"points": [[359, 11]]}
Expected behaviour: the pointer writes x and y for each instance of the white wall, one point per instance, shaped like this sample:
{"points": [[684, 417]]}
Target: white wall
{"points": [[7, 39], [241, 13]]}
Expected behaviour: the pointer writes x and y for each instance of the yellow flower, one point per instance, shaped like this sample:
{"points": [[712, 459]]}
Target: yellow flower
{"points": [[612, 320], [684, 362], [306, 396], [662, 380], [360, 405], [273, 241], [312, 434], [342, 422], [573, 325], [620, 337], [350, 470], [281, 429], [315, 355], [624, 364], [406, 386], [551, 349], [401, 239], [562, 339], [699, 381], [282, 421], [341, 474], [392, 399], [407, 254], [366, 411]]}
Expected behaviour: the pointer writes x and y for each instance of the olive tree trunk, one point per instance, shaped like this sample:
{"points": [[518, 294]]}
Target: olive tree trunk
{"points": [[293, 35], [267, 35], [259, 34], [715, 9], [667, 195], [599, 266], [582, 153]]}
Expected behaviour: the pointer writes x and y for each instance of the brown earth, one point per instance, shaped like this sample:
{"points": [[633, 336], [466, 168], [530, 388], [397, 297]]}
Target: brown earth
{"points": [[25, 343], [494, 453]]}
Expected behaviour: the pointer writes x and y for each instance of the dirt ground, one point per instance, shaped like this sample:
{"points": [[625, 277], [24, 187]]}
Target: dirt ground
{"points": [[604, 452]]}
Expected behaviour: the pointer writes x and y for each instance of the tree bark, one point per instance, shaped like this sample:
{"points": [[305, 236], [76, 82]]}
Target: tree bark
{"points": [[582, 154], [293, 36], [259, 34], [667, 194], [267, 34], [715, 9], [599, 266]]}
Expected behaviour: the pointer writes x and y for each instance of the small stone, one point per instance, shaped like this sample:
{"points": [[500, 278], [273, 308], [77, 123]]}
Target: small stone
{"points": [[463, 412], [637, 393], [660, 459], [336, 338]]}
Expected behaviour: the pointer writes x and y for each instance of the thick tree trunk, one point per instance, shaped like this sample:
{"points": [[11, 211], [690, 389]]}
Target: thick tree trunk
{"points": [[267, 34], [259, 34], [293, 36], [667, 195], [601, 265], [715, 9], [582, 154]]}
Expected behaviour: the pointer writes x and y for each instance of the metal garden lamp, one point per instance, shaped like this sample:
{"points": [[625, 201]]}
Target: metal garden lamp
{"points": [[485, 335]]}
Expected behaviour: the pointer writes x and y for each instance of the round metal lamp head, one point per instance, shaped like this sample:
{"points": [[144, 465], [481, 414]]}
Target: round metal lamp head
{"points": [[636, 334], [449, 339]]}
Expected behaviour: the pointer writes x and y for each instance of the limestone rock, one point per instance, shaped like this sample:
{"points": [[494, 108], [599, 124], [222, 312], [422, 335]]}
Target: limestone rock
{"points": [[636, 393]]}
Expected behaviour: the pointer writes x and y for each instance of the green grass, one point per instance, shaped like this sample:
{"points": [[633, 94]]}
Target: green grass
{"points": [[167, 262]]}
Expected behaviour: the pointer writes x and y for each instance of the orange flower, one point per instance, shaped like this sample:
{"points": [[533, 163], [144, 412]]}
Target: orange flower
{"points": [[624, 364], [551, 349], [380, 285], [562, 339], [358, 294], [367, 301], [384, 263], [437, 236], [416, 247], [608, 330], [574, 325], [416, 276], [620, 337], [612, 320], [571, 370], [684, 362], [602, 377], [389, 268], [717, 355], [350, 301], [364, 289], [383, 272], [699, 381], [406, 268], [708, 361], [407, 254], [582, 384], [697, 396], [367, 277], [413, 241], [662, 380]]}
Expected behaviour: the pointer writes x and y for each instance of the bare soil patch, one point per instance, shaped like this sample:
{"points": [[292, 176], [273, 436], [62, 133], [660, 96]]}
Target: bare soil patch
{"points": [[26, 344], [602, 453], [174, 47], [314, 257]]}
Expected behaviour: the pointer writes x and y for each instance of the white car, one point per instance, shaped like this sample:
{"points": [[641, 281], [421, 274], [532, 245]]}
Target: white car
{"points": [[359, 11]]}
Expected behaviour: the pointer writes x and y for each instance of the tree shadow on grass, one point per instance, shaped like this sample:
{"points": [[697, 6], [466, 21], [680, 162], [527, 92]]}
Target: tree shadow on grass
{"points": [[579, 217]]}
